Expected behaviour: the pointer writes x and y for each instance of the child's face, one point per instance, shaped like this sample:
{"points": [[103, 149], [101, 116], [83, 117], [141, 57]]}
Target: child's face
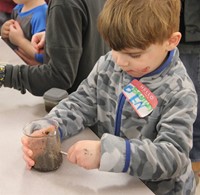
{"points": [[20, 1], [138, 62]]}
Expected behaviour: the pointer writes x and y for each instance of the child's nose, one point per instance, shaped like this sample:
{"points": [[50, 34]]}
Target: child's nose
{"points": [[121, 60]]}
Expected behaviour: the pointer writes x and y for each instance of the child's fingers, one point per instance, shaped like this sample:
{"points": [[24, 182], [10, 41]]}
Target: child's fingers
{"points": [[27, 151], [29, 161]]}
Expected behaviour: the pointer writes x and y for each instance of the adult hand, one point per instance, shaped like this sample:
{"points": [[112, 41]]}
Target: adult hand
{"points": [[86, 154], [5, 29], [38, 41]]}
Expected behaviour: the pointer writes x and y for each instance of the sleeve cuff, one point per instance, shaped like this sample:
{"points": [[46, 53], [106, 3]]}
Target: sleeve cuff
{"points": [[39, 57], [115, 154]]}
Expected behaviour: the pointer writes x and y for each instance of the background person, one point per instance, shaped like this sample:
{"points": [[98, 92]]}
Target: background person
{"points": [[189, 48], [28, 18], [73, 45]]}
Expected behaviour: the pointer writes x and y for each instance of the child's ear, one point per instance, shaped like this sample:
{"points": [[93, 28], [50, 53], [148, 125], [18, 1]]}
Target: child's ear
{"points": [[173, 41]]}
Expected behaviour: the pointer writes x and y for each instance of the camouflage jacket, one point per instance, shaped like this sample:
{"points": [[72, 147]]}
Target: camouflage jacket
{"points": [[154, 148]]}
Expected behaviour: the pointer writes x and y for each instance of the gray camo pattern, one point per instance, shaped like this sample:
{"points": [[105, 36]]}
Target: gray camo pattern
{"points": [[160, 142]]}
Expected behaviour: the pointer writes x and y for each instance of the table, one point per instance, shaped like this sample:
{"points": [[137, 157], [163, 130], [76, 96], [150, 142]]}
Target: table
{"points": [[7, 55], [17, 110]]}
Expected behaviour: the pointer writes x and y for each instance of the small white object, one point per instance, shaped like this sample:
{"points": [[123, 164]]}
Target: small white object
{"points": [[65, 153]]}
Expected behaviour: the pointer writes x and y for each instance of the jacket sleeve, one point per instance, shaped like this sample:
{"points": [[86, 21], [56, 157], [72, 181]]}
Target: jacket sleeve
{"points": [[79, 109], [64, 46]]}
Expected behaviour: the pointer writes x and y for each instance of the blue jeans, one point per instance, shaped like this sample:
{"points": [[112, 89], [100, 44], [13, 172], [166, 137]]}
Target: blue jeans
{"points": [[190, 56]]}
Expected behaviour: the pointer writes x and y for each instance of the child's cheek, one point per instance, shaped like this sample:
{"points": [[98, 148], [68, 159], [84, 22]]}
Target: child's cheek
{"points": [[146, 69]]}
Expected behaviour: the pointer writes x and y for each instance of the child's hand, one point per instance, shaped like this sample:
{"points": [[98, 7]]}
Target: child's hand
{"points": [[16, 34], [38, 41], [27, 142], [5, 29], [86, 154], [28, 153]]}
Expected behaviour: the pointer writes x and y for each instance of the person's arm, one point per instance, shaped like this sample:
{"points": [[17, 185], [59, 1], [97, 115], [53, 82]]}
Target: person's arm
{"points": [[27, 59], [76, 112], [63, 45], [16, 37]]}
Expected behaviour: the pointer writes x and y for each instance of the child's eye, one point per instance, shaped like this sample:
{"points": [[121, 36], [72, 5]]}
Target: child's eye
{"points": [[135, 56]]}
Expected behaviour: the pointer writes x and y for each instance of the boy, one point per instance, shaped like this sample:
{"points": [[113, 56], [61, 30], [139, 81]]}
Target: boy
{"points": [[28, 18], [140, 98]]}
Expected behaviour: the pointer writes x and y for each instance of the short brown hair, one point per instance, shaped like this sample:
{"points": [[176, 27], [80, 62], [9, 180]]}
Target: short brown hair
{"points": [[138, 23]]}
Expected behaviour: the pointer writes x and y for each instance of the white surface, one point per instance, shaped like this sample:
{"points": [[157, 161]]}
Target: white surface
{"points": [[7, 55], [15, 111]]}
